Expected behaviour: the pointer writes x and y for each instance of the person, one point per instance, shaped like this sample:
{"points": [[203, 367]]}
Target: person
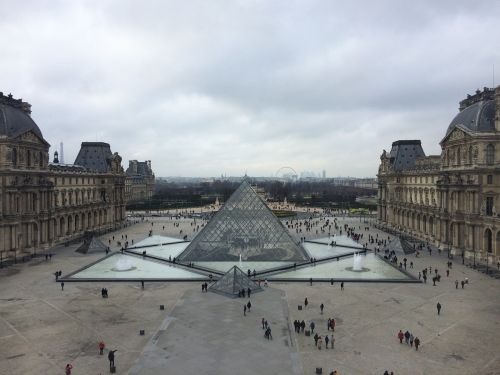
{"points": [[456, 284], [322, 307], [244, 310], [249, 305], [342, 285], [407, 337], [386, 372], [302, 325], [320, 342], [312, 325], [328, 324], [417, 343], [306, 302], [101, 347], [438, 308], [332, 324], [263, 320], [411, 339], [248, 292], [316, 338], [62, 285], [332, 341], [326, 341], [311, 281], [142, 284], [111, 358], [69, 367], [463, 283], [401, 335], [447, 273]]}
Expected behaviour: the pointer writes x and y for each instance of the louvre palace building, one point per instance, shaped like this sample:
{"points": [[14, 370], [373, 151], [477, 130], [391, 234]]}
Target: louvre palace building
{"points": [[44, 203], [450, 200]]}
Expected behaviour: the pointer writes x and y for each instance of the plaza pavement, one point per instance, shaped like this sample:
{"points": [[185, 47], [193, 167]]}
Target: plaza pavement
{"points": [[42, 328]]}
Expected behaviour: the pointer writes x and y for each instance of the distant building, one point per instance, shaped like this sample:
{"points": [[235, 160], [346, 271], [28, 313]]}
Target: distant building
{"points": [[140, 181], [451, 200], [43, 203]]}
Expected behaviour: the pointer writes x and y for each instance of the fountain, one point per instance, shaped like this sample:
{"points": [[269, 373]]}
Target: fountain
{"points": [[357, 262], [123, 264]]}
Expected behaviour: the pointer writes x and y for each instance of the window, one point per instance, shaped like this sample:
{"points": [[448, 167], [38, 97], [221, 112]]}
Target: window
{"points": [[458, 156], [29, 158], [489, 179], [470, 154], [490, 154], [14, 157], [489, 206]]}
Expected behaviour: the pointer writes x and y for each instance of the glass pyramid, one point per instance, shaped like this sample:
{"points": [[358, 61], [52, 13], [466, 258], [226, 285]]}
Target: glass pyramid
{"points": [[244, 228], [232, 282], [91, 245]]}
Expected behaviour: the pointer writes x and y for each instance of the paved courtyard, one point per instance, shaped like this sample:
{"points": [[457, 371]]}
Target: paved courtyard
{"points": [[42, 328]]}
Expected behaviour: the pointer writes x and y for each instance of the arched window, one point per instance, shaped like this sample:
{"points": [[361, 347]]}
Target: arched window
{"points": [[488, 240], [490, 154], [14, 157]]}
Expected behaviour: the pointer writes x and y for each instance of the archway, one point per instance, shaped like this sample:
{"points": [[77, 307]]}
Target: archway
{"points": [[488, 240]]}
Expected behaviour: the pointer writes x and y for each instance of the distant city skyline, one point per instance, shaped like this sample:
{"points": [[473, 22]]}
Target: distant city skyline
{"points": [[203, 88]]}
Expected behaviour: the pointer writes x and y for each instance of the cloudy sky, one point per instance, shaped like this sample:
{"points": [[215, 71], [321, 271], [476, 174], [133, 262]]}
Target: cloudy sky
{"points": [[204, 88]]}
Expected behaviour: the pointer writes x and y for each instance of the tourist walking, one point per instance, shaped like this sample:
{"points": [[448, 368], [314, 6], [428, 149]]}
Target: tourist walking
{"points": [[244, 310], [332, 341], [316, 338], [328, 323], [62, 285], [411, 339], [332, 324], [101, 347], [312, 325], [401, 336], [306, 302], [417, 343], [438, 306], [111, 358], [326, 341], [69, 367], [456, 284], [263, 320], [321, 308], [407, 338], [249, 306]]}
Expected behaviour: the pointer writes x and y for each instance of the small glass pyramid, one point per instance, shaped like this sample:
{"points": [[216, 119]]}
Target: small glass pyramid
{"points": [[91, 245], [244, 228], [232, 282]]}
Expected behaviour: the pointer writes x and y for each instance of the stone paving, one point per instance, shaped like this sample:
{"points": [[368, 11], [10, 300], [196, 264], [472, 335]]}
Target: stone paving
{"points": [[42, 327]]}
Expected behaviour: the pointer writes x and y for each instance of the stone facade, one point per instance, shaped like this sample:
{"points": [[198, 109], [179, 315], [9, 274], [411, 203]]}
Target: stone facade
{"points": [[42, 203], [451, 200], [140, 181]]}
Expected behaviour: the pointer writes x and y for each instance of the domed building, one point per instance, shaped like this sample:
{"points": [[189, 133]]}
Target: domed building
{"points": [[44, 203], [450, 200]]}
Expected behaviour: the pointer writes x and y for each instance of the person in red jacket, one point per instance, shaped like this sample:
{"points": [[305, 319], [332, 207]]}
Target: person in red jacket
{"points": [[101, 347], [401, 336]]}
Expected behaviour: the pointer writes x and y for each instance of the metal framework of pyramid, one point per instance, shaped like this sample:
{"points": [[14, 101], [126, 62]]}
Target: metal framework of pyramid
{"points": [[91, 245], [244, 227], [232, 282]]}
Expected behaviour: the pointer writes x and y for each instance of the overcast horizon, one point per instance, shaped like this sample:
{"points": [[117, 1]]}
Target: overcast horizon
{"points": [[233, 87]]}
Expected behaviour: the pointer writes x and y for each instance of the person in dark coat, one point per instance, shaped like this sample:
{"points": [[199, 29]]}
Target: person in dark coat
{"points": [[111, 357]]}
